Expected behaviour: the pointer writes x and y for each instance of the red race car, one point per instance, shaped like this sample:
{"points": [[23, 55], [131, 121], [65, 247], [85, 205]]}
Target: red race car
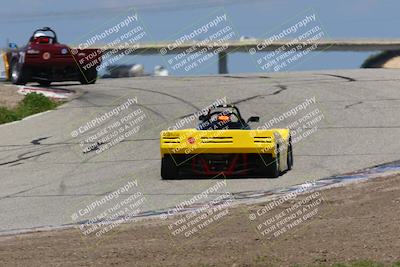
{"points": [[44, 60]]}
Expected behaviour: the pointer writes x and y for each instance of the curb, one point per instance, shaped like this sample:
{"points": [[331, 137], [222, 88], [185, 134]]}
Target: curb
{"points": [[57, 94]]}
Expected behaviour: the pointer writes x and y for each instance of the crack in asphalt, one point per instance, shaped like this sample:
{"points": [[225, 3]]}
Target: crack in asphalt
{"points": [[22, 158], [354, 104], [282, 88], [13, 195], [233, 103], [342, 77], [245, 99], [162, 93], [37, 141], [152, 110], [96, 146]]}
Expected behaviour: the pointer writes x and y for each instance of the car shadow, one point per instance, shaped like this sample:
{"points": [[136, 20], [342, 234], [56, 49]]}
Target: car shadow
{"points": [[53, 86], [221, 177]]}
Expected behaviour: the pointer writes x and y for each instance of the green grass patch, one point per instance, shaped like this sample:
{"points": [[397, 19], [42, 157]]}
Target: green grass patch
{"points": [[32, 103]]}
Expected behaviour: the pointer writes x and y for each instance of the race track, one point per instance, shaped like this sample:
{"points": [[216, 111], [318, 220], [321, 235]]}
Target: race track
{"points": [[45, 177]]}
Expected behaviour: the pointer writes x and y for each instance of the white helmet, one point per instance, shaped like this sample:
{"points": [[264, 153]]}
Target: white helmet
{"points": [[39, 34]]}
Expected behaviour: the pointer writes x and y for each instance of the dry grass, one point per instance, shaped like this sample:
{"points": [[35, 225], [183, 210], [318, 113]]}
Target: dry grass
{"points": [[9, 97]]}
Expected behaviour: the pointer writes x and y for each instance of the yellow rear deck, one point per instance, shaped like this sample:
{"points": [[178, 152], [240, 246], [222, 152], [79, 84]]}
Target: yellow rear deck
{"points": [[192, 141]]}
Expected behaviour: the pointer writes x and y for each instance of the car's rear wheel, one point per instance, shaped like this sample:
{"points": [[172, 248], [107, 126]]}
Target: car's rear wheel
{"points": [[274, 167], [290, 156], [169, 169], [17, 73], [270, 166]]}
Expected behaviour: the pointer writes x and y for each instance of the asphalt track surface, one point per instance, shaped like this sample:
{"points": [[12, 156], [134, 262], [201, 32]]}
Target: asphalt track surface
{"points": [[45, 177]]}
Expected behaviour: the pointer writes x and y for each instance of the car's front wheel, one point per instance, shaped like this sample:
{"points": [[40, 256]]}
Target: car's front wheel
{"points": [[18, 75]]}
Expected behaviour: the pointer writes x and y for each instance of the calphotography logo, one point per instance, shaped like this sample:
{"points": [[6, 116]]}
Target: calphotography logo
{"points": [[293, 40], [106, 213], [192, 217], [288, 212], [108, 129], [187, 121], [302, 120], [199, 44], [109, 47]]}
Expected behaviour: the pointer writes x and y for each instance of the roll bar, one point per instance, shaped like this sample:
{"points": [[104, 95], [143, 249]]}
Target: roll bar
{"points": [[45, 29]]}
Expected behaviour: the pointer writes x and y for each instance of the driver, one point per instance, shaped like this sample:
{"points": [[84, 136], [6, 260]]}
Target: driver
{"points": [[223, 118], [219, 121], [41, 37]]}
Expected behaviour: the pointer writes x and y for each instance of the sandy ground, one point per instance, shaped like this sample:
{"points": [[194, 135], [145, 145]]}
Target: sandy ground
{"points": [[356, 222], [9, 97], [393, 63]]}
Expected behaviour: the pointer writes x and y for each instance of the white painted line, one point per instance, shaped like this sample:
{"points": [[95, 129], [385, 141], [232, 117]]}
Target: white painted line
{"points": [[51, 93]]}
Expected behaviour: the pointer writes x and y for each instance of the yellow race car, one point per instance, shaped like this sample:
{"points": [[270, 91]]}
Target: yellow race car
{"points": [[224, 144]]}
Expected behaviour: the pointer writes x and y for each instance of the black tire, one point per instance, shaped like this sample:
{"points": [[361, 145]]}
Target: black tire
{"points": [[270, 166], [274, 166], [169, 169], [89, 76], [17, 73], [45, 83], [290, 156]]}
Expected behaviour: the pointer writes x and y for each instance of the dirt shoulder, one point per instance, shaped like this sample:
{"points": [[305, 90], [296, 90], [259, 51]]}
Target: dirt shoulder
{"points": [[352, 223], [9, 97]]}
